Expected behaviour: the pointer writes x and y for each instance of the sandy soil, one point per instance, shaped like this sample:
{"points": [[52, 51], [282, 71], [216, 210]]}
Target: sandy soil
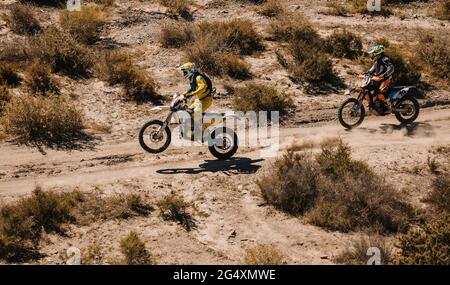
{"points": [[236, 216]]}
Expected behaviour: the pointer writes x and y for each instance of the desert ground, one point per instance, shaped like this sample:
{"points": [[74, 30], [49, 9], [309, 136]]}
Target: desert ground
{"points": [[230, 213]]}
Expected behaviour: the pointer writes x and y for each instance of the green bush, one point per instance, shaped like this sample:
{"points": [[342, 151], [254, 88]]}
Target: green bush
{"points": [[260, 97], [428, 245], [40, 80], [84, 25], [134, 251], [21, 20], [62, 52], [43, 120], [344, 44]]}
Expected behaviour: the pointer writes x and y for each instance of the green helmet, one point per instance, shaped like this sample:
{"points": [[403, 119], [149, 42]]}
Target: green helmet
{"points": [[376, 50]]}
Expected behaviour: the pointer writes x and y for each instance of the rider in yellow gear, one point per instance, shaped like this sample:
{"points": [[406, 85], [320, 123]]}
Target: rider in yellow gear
{"points": [[201, 87]]}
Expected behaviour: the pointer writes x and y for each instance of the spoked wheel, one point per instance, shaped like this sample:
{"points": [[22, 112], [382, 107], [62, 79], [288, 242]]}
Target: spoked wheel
{"points": [[349, 116], [412, 108], [223, 143], [153, 138]]}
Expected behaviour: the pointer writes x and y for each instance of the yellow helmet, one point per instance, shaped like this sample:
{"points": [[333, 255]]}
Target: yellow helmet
{"points": [[188, 69]]}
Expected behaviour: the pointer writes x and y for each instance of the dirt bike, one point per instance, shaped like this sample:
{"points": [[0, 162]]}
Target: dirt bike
{"points": [[401, 102], [155, 136]]}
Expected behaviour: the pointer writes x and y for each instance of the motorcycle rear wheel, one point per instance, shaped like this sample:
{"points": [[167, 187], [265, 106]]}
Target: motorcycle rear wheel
{"points": [[411, 116], [229, 144]]}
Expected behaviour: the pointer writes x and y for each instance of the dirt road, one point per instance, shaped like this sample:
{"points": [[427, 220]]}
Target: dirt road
{"points": [[23, 168], [234, 216]]}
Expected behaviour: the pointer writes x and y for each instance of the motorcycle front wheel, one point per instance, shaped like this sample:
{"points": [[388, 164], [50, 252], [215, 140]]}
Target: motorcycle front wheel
{"points": [[348, 117], [153, 138]]}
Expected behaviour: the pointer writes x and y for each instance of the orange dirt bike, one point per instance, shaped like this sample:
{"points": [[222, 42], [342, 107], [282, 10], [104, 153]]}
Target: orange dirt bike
{"points": [[401, 102], [155, 136]]}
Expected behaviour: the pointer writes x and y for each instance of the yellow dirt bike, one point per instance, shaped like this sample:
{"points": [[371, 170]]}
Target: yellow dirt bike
{"points": [[156, 135]]}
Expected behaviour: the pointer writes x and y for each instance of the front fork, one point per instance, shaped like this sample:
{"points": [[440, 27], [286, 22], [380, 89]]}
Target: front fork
{"points": [[360, 102], [166, 122]]}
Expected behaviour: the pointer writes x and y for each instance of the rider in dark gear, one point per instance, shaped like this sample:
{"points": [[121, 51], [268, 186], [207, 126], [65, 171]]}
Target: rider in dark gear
{"points": [[381, 72]]}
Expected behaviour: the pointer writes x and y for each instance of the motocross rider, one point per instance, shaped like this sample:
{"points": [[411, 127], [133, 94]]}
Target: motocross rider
{"points": [[201, 87], [382, 71]]}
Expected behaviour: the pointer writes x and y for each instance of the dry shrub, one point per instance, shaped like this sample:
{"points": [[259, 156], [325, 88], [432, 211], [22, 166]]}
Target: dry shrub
{"points": [[116, 67], [178, 8], [225, 40], [442, 10], [235, 67], [336, 9], [5, 97], [9, 75], [434, 54], [427, 245], [270, 8], [43, 120], [84, 25], [62, 52], [14, 51], [293, 186], [406, 72], [335, 192], [175, 208], [311, 64], [294, 27], [40, 80], [103, 2], [260, 97], [21, 223], [263, 254], [93, 254], [95, 207], [57, 3], [176, 35], [344, 44], [439, 196], [237, 34], [134, 251], [356, 254], [21, 20]]}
